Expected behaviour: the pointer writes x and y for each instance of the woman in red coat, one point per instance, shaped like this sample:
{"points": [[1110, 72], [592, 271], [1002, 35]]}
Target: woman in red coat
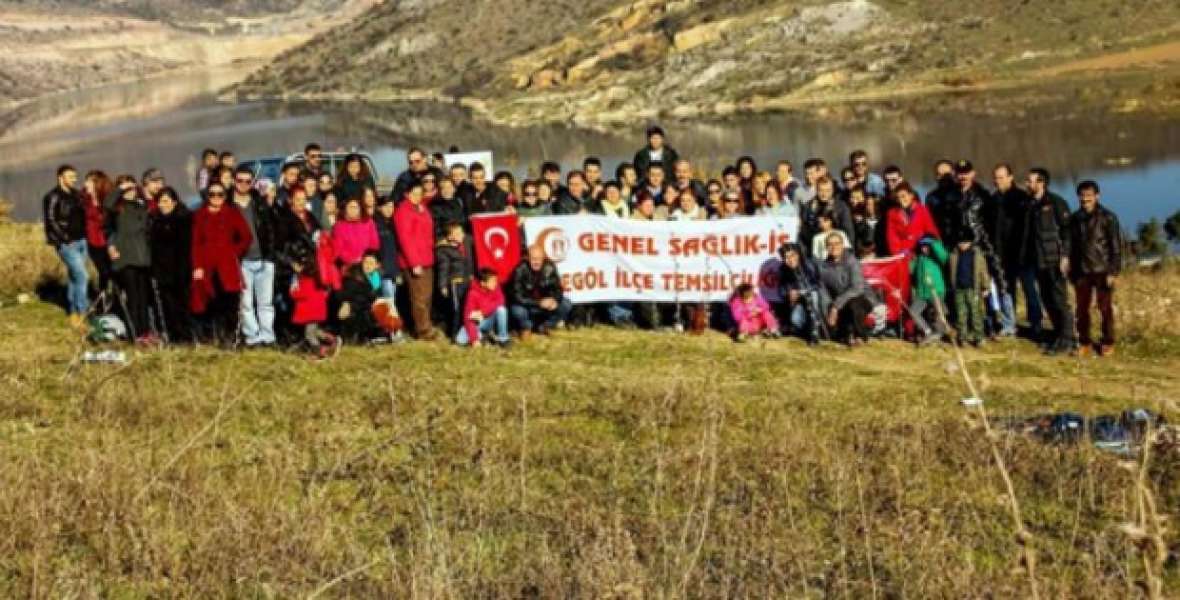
{"points": [[907, 223], [220, 238], [415, 239]]}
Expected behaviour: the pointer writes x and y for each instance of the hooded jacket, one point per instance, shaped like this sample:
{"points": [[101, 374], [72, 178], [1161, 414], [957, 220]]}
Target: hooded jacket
{"points": [[926, 270]]}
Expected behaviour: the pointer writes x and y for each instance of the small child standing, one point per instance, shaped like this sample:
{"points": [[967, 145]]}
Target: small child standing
{"points": [[310, 296], [484, 312], [454, 266], [929, 287], [751, 314], [972, 283]]}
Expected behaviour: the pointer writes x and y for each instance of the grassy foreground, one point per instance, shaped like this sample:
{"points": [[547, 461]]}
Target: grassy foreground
{"points": [[596, 464]]}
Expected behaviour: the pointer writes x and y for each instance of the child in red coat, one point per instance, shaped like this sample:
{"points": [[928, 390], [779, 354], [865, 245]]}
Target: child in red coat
{"points": [[484, 312], [310, 296]]}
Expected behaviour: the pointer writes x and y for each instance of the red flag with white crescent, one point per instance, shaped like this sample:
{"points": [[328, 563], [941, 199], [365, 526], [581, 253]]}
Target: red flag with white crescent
{"points": [[497, 242]]}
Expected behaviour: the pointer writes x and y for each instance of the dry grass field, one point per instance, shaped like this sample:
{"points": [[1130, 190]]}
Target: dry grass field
{"points": [[599, 463]]}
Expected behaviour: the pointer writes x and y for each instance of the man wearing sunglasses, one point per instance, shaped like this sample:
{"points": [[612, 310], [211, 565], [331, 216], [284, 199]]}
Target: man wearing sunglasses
{"points": [[258, 264], [313, 161], [418, 167]]}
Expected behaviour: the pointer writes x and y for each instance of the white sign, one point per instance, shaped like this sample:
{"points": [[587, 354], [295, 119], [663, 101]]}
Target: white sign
{"points": [[605, 259], [483, 157]]}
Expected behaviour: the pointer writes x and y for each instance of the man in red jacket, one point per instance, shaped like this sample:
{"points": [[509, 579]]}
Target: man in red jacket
{"points": [[415, 238], [484, 312], [908, 222]]}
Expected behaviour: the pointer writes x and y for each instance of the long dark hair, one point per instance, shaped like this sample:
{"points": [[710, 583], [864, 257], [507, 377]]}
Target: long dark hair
{"points": [[364, 175]]}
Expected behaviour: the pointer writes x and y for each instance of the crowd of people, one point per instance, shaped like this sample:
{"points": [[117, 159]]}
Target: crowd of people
{"points": [[315, 260]]}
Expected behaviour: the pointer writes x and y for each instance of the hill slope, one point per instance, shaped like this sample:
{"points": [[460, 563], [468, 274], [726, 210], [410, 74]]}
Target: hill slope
{"points": [[601, 61]]}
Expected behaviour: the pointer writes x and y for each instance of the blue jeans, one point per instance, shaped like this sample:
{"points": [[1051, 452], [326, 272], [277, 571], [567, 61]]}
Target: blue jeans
{"points": [[526, 318], [1032, 299], [389, 289], [258, 308], [73, 255], [618, 313], [497, 323]]}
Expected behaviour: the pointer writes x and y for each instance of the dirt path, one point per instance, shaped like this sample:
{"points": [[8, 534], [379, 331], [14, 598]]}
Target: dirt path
{"points": [[1161, 53]]}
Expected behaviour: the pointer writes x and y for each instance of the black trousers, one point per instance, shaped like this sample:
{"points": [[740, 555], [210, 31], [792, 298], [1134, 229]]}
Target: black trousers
{"points": [[173, 311], [102, 265], [850, 320], [1055, 301], [136, 283]]}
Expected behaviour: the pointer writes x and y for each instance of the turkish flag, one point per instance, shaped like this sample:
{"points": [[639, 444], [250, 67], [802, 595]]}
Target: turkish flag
{"points": [[497, 242]]}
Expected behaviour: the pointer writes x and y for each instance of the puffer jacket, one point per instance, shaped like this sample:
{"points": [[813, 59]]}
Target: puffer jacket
{"points": [[1097, 243], [453, 264], [1046, 232], [529, 287]]}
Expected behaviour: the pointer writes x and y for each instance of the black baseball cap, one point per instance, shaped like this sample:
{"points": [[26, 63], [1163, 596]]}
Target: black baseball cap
{"points": [[964, 166]]}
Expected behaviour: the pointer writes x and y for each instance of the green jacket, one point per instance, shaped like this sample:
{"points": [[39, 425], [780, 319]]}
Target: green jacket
{"points": [[927, 270]]}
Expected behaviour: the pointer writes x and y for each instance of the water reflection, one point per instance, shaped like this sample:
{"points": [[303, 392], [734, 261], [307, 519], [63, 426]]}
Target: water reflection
{"points": [[166, 124]]}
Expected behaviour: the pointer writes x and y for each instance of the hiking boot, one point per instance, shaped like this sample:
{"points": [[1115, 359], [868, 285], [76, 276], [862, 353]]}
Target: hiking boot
{"points": [[505, 343], [526, 336], [543, 330], [76, 321], [1106, 351], [1085, 350]]}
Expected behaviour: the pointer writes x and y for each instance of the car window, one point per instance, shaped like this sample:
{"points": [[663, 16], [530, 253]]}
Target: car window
{"points": [[271, 169]]}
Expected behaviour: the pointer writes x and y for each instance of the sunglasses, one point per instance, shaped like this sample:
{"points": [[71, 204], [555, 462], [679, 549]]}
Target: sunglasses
{"points": [[314, 156]]}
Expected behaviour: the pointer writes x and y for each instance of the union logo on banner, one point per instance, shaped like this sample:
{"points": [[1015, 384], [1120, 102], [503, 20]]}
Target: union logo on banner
{"points": [[553, 242]]}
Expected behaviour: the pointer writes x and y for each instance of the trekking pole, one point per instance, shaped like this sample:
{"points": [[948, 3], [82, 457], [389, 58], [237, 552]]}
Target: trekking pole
{"points": [[163, 325]]}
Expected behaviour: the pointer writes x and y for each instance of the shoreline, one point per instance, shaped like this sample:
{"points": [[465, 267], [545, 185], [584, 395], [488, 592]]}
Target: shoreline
{"points": [[1010, 94]]}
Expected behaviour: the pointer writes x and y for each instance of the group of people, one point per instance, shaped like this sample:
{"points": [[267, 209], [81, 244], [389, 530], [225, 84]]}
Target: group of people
{"points": [[317, 258]]}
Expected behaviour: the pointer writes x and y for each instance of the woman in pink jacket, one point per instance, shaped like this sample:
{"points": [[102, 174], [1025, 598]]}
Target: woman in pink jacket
{"points": [[354, 235], [751, 314]]}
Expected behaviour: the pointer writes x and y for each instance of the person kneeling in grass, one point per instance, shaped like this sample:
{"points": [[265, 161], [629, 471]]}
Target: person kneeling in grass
{"points": [[484, 312], [751, 314]]}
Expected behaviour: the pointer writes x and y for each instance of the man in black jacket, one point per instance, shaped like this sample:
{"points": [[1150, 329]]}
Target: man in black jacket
{"points": [[538, 302], [1095, 261], [64, 216], [484, 198], [1047, 247], [448, 208], [258, 265], [655, 152], [1005, 213], [416, 157]]}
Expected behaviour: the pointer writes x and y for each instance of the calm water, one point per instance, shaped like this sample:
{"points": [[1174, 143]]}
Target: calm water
{"points": [[166, 123]]}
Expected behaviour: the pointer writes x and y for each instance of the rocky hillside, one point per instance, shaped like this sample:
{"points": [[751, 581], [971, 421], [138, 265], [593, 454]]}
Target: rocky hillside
{"points": [[51, 46], [606, 61]]}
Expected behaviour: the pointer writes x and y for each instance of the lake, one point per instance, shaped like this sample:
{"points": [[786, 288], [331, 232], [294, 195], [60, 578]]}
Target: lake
{"points": [[167, 122]]}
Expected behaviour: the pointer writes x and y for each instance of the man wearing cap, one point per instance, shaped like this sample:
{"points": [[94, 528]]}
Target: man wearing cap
{"points": [[153, 183], [656, 152], [968, 201]]}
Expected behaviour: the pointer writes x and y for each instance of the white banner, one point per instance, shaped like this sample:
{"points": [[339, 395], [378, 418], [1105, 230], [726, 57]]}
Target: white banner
{"points": [[605, 259]]}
